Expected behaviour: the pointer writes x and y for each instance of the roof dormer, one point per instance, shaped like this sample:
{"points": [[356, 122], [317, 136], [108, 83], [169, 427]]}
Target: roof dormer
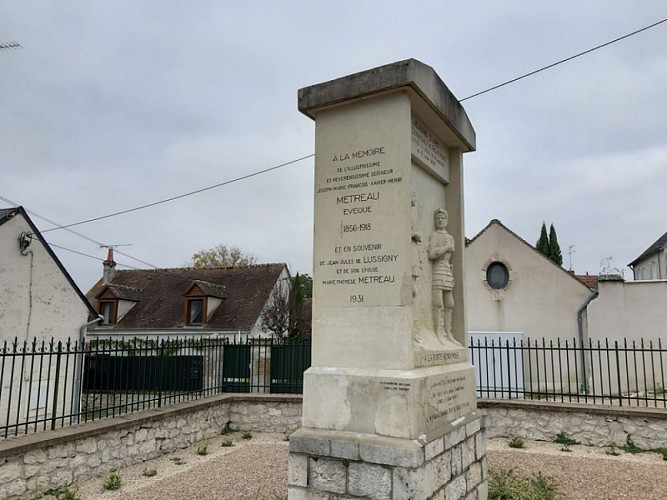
{"points": [[201, 301], [115, 301]]}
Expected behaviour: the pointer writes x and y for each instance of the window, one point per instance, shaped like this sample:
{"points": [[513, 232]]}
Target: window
{"points": [[497, 275], [107, 309], [195, 312]]}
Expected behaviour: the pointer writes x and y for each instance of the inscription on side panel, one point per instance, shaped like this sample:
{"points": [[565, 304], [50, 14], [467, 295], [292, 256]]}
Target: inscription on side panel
{"points": [[429, 151]]}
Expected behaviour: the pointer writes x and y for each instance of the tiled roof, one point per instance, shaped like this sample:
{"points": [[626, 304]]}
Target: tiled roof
{"points": [[589, 280], [4, 212], [121, 292], [161, 301], [660, 244]]}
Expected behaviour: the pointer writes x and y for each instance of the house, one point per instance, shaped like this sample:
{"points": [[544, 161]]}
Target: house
{"points": [[652, 264], [511, 287], [182, 302], [39, 303], [515, 294], [38, 298]]}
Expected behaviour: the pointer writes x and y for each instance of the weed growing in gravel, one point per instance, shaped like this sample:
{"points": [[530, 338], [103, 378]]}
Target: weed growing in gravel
{"points": [[566, 447], [227, 429], [226, 443], [631, 447], [561, 438], [112, 482], [177, 460], [661, 451], [246, 435], [203, 449], [611, 450], [505, 484], [149, 472], [61, 494], [515, 442]]}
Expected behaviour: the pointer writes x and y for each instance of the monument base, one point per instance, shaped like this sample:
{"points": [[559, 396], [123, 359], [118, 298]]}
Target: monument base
{"points": [[341, 465], [394, 403]]}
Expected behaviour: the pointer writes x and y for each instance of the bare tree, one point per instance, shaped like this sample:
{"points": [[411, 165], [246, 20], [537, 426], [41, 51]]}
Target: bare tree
{"points": [[285, 316], [276, 315], [222, 256]]}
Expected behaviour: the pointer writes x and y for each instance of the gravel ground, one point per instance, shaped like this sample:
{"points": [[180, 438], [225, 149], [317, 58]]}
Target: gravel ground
{"points": [[256, 469], [586, 472]]}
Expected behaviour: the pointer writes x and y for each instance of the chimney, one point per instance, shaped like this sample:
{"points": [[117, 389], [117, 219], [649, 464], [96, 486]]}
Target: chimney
{"points": [[109, 265]]}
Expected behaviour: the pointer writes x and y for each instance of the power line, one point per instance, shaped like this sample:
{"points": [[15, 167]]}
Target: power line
{"points": [[159, 202], [88, 255], [10, 45], [74, 232], [173, 198], [563, 60], [166, 200]]}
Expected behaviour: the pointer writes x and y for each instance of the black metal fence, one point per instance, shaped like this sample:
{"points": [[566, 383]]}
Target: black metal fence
{"points": [[53, 384], [627, 373], [46, 385]]}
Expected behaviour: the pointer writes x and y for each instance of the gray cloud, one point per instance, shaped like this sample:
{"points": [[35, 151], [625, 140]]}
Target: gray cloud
{"points": [[110, 106]]}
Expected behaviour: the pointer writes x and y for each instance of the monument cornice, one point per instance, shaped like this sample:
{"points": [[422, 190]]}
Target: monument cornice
{"points": [[411, 73]]}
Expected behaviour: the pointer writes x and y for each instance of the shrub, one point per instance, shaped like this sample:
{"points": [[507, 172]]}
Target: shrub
{"points": [[561, 438], [611, 450], [631, 447], [227, 429], [226, 443], [246, 435], [515, 442], [504, 484], [203, 449], [112, 482], [149, 472], [61, 494]]}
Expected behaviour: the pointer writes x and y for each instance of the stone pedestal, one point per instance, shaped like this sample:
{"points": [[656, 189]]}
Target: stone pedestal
{"points": [[347, 465], [388, 363]]}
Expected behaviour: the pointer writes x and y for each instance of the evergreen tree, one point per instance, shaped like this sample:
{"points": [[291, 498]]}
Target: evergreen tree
{"points": [[542, 244], [554, 248]]}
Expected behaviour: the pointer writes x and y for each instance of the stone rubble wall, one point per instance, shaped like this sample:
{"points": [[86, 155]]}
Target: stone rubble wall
{"points": [[35, 463], [330, 465], [593, 425]]}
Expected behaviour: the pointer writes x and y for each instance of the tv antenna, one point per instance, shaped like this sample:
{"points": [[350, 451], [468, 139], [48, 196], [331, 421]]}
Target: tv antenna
{"points": [[570, 252]]}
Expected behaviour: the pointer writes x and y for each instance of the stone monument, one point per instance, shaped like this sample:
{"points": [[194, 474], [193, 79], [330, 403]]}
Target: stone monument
{"points": [[389, 408]]}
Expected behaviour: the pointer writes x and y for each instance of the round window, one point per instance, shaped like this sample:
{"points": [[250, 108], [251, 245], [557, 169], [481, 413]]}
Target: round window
{"points": [[497, 275]]}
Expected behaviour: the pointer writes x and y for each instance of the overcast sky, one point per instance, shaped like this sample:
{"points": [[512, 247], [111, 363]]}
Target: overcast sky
{"points": [[111, 105]]}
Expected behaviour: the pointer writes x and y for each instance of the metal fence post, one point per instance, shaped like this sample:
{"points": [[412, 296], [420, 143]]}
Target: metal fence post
{"points": [[54, 411], [618, 374]]}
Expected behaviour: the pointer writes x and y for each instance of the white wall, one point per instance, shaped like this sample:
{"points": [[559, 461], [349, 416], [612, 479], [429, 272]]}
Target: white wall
{"points": [[635, 311], [629, 309], [36, 299], [37, 302]]}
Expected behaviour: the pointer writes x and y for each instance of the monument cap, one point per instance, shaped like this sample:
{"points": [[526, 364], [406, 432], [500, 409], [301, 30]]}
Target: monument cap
{"points": [[411, 73]]}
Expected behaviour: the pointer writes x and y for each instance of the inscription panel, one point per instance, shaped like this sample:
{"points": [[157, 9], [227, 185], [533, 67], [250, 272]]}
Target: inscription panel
{"points": [[449, 396], [359, 255], [429, 152]]}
